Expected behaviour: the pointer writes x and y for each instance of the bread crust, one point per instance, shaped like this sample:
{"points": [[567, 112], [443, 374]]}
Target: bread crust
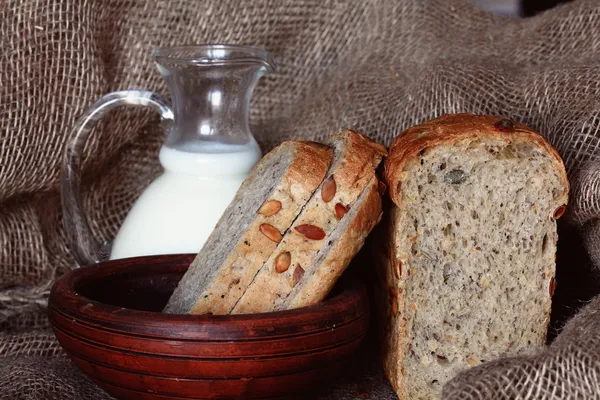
{"points": [[351, 174], [305, 172], [360, 161], [451, 128], [393, 333]]}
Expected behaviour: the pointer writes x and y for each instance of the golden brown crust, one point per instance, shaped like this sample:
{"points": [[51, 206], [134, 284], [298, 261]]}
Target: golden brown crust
{"points": [[317, 285], [362, 157], [395, 351], [451, 128], [307, 169]]}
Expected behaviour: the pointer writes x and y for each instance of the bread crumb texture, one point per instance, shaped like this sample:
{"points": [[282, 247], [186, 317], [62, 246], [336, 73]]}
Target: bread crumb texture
{"points": [[476, 238]]}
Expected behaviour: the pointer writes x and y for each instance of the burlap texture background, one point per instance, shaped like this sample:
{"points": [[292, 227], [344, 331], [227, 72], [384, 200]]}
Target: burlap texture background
{"points": [[375, 65]]}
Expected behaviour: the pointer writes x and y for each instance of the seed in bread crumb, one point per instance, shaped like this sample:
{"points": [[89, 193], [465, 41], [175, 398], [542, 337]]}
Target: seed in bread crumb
{"points": [[552, 287], [559, 212], [283, 261], [394, 307], [271, 232], [398, 269], [470, 361], [328, 189], [456, 177], [298, 274], [270, 208]]}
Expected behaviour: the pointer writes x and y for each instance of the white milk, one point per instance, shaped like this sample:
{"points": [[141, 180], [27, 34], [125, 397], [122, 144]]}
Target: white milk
{"points": [[179, 210]]}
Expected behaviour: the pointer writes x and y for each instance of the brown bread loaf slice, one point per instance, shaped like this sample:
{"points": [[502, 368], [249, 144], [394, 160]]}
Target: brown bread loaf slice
{"points": [[353, 169], [346, 239], [471, 249], [267, 203]]}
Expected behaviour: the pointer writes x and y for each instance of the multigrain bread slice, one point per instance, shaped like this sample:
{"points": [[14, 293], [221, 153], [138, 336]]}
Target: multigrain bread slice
{"points": [[472, 247], [307, 244], [343, 243], [267, 203]]}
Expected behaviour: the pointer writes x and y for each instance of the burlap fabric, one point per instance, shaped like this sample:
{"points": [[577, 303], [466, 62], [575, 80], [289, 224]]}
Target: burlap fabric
{"points": [[375, 65]]}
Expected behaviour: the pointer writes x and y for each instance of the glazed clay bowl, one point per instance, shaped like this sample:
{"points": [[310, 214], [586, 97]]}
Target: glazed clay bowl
{"points": [[107, 319]]}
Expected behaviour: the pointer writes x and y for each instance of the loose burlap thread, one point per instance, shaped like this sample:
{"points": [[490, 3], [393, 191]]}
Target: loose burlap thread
{"points": [[378, 66]]}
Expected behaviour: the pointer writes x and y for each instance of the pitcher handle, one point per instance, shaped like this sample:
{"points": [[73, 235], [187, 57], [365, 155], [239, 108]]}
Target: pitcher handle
{"points": [[85, 247]]}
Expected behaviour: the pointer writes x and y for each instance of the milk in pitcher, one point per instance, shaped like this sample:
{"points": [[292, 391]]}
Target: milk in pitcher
{"points": [[188, 198]]}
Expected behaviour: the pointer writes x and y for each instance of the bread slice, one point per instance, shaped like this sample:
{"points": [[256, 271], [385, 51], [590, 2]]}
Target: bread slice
{"points": [[264, 207], [473, 242], [346, 239], [314, 232]]}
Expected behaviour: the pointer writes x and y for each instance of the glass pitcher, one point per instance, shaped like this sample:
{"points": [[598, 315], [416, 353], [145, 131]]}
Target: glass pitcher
{"points": [[208, 152]]}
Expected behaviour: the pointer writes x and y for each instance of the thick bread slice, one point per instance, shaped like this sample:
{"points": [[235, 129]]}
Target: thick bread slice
{"points": [[355, 159], [347, 239], [247, 233], [472, 252]]}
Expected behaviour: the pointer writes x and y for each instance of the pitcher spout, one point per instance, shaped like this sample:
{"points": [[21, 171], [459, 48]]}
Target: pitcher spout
{"points": [[211, 87], [215, 54]]}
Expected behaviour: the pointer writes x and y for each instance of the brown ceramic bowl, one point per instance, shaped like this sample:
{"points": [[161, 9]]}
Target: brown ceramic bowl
{"points": [[106, 318]]}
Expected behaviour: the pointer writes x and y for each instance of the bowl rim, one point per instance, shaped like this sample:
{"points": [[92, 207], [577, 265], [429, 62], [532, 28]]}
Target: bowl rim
{"points": [[348, 305]]}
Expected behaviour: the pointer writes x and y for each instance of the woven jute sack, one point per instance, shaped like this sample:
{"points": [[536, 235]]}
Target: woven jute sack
{"points": [[378, 66]]}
